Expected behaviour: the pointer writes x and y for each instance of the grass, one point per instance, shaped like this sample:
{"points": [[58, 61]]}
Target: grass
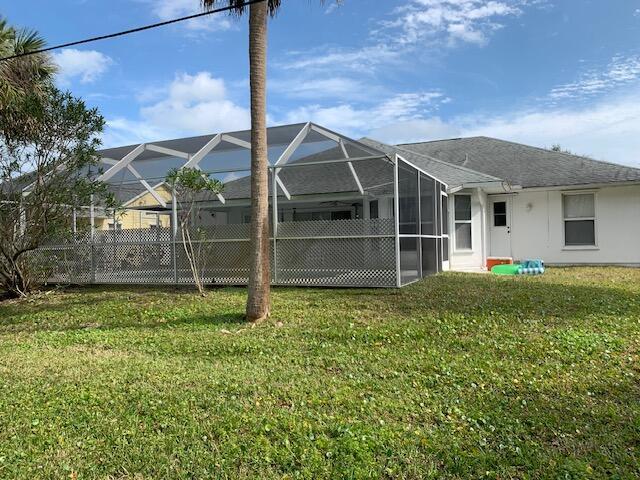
{"points": [[458, 376]]}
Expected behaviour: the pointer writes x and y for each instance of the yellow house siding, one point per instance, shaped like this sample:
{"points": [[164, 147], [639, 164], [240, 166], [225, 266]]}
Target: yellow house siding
{"points": [[136, 219]]}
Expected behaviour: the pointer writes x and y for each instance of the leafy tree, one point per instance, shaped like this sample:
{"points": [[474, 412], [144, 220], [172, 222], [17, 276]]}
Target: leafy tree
{"points": [[558, 148], [259, 290], [190, 188], [48, 167]]}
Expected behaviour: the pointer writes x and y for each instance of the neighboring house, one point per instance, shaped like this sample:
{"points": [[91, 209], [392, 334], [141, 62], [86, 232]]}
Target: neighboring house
{"points": [[140, 211]]}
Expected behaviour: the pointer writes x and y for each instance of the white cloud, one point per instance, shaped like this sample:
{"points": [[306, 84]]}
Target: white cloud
{"points": [[356, 121], [416, 25], [622, 70], [190, 105], [454, 21], [170, 9], [85, 65], [360, 60], [332, 8], [608, 130], [335, 88]]}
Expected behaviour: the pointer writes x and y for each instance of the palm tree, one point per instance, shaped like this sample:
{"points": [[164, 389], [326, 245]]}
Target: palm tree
{"points": [[25, 75], [258, 299], [259, 291]]}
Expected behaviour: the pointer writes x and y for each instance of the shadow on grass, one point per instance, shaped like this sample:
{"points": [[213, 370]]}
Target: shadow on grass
{"points": [[462, 294], [92, 307]]}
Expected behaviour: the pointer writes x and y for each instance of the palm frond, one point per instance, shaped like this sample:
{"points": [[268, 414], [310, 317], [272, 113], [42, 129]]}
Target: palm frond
{"points": [[239, 6], [24, 75]]}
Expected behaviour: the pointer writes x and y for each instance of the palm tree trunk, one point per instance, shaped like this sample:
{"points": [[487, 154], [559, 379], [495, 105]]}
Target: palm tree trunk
{"points": [[258, 300]]}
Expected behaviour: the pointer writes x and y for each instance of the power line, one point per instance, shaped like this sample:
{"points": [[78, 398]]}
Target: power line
{"points": [[128, 32]]}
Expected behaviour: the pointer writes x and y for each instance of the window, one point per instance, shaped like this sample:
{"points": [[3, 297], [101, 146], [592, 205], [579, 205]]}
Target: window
{"points": [[463, 222], [579, 219], [500, 214]]}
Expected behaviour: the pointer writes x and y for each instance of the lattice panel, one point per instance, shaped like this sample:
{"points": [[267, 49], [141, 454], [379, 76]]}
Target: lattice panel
{"points": [[137, 235], [146, 257], [141, 263], [218, 232], [357, 262], [220, 263], [336, 228], [70, 263]]}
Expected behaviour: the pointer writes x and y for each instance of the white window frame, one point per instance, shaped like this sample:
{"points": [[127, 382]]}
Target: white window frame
{"points": [[454, 234], [594, 219]]}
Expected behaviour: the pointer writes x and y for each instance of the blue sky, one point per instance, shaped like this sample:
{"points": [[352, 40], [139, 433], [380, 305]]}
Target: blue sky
{"points": [[535, 71]]}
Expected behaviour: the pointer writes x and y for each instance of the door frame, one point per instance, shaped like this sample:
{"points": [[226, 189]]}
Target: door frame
{"points": [[508, 199]]}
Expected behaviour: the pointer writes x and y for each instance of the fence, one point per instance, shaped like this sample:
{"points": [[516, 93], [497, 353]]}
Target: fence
{"points": [[346, 253]]}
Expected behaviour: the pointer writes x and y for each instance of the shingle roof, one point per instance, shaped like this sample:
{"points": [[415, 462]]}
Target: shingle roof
{"points": [[452, 175], [524, 165]]}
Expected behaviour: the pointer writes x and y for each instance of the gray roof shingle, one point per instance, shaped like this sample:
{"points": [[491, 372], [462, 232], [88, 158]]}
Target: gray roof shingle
{"points": [[452, 175], [522, 164]]}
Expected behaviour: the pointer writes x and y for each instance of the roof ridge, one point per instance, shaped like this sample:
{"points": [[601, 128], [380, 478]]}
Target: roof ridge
{"points": [[443, 140], [437, 160], [548, 150]]}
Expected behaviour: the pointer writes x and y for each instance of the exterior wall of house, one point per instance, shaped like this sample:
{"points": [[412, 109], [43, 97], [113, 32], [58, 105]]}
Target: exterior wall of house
{"points": [[538, 227], [136, 219]]}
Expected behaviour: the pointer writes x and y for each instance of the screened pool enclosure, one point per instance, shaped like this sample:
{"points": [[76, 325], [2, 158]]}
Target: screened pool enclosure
{"points": [[342, 213]]}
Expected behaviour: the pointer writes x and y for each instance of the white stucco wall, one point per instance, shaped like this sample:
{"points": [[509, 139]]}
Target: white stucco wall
{"points": [[537, 227]]}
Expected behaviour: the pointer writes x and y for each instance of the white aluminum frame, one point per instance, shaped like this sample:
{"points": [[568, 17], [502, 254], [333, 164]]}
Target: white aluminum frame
{"points": [[439, 237], [194, 160]]}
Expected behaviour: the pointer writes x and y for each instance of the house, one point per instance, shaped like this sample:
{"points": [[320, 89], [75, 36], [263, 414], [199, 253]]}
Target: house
{"points": [[139, 209], [350, 212], [566, 209]]}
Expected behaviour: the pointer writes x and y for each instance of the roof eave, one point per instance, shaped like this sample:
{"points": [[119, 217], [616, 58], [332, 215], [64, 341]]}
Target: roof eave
{"points": [[506, 187], [582, 186]]}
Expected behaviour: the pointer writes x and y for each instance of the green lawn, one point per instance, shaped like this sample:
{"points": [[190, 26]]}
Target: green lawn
{"points": [[458, 376]]}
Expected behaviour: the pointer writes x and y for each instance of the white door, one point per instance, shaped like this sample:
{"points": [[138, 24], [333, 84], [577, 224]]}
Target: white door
{"points": [[500, 225]]}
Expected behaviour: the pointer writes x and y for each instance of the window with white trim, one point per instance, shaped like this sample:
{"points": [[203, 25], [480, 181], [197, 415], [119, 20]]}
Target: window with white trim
{"points": [[462, 220], [579, 210]]}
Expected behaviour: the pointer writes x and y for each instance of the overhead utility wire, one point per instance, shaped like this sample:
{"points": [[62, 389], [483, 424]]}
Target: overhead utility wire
{"points": [[128, 32]]}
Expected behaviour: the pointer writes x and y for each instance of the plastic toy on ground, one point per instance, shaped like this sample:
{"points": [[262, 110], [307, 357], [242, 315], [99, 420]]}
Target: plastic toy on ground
{"points": [[526, 267], [506, 269], [493, 261]]}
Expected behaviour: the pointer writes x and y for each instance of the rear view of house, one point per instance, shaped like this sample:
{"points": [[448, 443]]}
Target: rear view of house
{"points": [[563, 208], [354, 213]]}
